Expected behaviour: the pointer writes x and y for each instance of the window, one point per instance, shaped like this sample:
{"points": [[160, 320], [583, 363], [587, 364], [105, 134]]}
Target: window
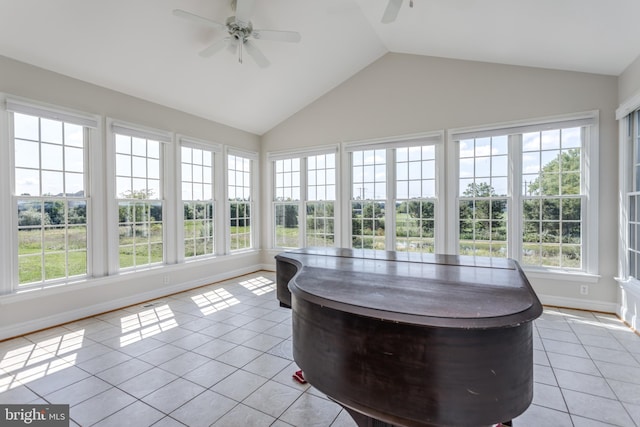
{"points": [[320, 203], [522, 193], [552, 198], [368, 198], [304, 200], [50, 197], [482, 196], [197, 201], [139, 195], [401, 175], [240, 202], [633, 196], [287, 203], [415, 198]]}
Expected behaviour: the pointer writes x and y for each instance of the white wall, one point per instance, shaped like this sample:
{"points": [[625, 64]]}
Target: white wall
{"points": [[36, 310], [629, 81], [402, 94]]}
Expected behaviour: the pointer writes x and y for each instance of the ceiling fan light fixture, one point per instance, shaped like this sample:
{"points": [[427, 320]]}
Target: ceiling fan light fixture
{"points": [[240, 30]]}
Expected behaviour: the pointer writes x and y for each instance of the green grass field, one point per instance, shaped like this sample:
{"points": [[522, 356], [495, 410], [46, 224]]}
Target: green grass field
{"points": [[34, 244], [146, 247]]}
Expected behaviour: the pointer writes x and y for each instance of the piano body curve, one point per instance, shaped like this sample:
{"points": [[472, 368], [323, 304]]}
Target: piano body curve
{"points": [[412, 340]]}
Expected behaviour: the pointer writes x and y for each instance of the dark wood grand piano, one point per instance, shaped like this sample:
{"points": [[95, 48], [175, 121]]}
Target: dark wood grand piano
{"points": [[404, 339]]}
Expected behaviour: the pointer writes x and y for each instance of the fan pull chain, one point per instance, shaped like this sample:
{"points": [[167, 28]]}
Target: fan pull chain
{"points": [[240, 51]]}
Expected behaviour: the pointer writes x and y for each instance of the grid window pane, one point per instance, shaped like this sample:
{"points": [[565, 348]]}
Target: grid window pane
{"points": [[303, 211], [415, 199], [140, 202], [552, 198], [320, 224], [198, 204], [51, 204], [368, 197], [239, 193], [483, 196], [321, 194], [287, 225]]}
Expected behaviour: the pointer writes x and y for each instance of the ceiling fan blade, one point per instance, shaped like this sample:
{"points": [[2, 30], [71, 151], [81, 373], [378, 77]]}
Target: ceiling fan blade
{"points": [[188, 15], [256, 54], [280, 36], [214, 48], [244, 9], [391, 12]]}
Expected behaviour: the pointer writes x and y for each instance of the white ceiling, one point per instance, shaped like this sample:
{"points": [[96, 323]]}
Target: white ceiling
{"points": [[140, 48]]}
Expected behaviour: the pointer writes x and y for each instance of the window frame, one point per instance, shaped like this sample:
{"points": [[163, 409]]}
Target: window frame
{"points": [[629, 132], [254, 217], [317, 201], [589, 121], [293, 202], [166, 197], [302, 156], [489, 200], [218, 222], [92, 130], [435, 139]]}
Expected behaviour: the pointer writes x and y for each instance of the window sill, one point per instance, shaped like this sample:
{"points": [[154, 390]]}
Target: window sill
{"points": [[630, 284], [156, 271], [564, 275], [243, 251]]}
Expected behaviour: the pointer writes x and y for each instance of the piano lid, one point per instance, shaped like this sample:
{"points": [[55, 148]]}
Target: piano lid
{"points": [[425, 289]]}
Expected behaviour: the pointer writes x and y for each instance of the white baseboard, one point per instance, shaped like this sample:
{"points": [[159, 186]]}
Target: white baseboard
{"points": [[629, 297], [580, 304], [23, 328]]}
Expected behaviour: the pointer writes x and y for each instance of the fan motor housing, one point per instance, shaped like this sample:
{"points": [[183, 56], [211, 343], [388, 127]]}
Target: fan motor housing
{"points": [[239, 30]]}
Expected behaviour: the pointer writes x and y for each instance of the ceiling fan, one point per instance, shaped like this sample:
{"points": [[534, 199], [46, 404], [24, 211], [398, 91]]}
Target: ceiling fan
{"points": [[391, 12], [241, 32]]}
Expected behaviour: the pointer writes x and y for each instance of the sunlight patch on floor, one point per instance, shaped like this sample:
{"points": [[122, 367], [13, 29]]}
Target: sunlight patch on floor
{"points": [[214, 300], [259, 285], [147, 323], [33, 361]]}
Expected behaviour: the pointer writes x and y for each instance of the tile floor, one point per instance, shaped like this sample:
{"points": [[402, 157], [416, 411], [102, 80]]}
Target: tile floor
{"points": [[221, 355]]}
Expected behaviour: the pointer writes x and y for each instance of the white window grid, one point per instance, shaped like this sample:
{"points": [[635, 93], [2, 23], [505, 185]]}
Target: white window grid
{"points": [[51, 200], [483, 196], [140, 201], [415, 201], [287, 202], [368, 199], [320, 203], [552, 198], [240, 203], [304, 200], [197, 166]]}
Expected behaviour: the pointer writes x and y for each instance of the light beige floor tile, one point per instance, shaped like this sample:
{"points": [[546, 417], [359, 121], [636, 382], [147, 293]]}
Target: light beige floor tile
{"points": [[137, 414], [173, 395], [244, 416], [272, 398], [239, 385], [204, 409], [100, 406]]}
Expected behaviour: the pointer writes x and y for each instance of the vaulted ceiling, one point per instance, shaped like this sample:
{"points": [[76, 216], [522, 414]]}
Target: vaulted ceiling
{"points": [[140, 48]]}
